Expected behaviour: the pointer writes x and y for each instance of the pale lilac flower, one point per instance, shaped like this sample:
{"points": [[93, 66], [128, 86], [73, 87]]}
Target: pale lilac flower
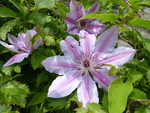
{"points": [[21, 45], [92, 26], [82, 65]]}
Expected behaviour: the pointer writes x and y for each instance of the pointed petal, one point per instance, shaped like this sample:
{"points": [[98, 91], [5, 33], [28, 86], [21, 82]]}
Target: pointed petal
{"points": [[73, 6], [10, 47], [87, 91], [12, 39], [28, 38], [102, 78], [59, 64], [96, 27], [95, 7], [71, 19], [87, 42], [16, 59], [119, 56], [70, 47], [37, 43], [106, 42], [62, 86]]}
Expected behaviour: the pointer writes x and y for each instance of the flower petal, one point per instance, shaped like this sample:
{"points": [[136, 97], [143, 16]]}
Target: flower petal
{"points": [[62, 86], [59, 64], [95, 7], [71, 19], [70, 47], [87, 42], [119, 56], [96, 27], [87, 90], [102, 78], [17, 58], [73, 6], [28, 38], [10, 47], [106, 42], [37, 43]]}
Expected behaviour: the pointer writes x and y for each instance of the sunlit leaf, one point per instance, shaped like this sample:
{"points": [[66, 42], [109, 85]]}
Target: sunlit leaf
{"points": [[4, 108], [104, 16], [13, 92], [6, 12], [140, 22], [117, 95]]}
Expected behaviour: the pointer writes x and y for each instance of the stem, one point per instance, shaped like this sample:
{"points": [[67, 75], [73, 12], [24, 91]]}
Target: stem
{"points": [[131, 7], [127, 41]]}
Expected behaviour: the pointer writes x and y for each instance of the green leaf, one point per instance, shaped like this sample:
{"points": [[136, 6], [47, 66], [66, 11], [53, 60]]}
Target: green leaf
{"points": [[43, 53], [134, 76], [7, 70], [23, 9], [11, 112], [6, 12], [93, 106], [117, 95], [49, 40], [137, 94], [4, 108], [42, 77], [140, 22], [58, 103], [39, 4], [38, 98], [105, 101], [113, 71], [17, 69], [61, 8], [104, 16], [120, 2], [146, 43], [13, 92], [7, 27], [39, 18], [142, 109], [81, 110]]}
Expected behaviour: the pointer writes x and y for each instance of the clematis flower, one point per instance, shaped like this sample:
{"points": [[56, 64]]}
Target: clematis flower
{"points": [[21, 45], [82, 65], [92, 26]]}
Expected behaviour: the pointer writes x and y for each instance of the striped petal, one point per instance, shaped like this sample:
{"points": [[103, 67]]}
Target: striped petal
{"points": [[10, 47], [37, 43], [106, 42], [62, 86], [59, 64], [87, 90], [95, 7], [16, 59], [87, 42], [119, 56], [70, 47], [102, 78]]}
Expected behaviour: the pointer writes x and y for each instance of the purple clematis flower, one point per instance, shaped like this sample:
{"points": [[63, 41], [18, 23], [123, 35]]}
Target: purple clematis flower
{"points": [[21, 45], [82, 65], [92, 26]]}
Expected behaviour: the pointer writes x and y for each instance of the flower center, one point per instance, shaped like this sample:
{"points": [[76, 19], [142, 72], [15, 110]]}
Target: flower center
{"points": [[86, 63], [82, 23]]}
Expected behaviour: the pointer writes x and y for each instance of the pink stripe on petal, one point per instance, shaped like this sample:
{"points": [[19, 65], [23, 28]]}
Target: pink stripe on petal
{"points": [[87, 42], [106, 42], [87, 90], [119, 56], [95, 7], [62, 86], [70, 47], [16, 59], [73, 6], [102, 78], [59, 64], [70, 19], [10, 47]]}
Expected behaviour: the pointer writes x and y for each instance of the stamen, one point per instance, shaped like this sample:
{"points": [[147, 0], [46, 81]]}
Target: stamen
{"points": [[86, 63]]}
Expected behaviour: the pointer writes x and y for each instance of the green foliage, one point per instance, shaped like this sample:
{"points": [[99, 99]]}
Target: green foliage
{"points": [[6, 12], [13, 92], [118, 93]]}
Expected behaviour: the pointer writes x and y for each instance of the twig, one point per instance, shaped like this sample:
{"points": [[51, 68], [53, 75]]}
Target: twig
{"points": [[131, 7], [127, 41]]}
